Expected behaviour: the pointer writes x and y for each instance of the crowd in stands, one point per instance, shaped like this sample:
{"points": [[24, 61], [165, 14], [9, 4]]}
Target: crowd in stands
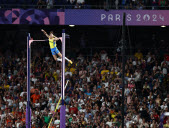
{"points": [[70, 4], [94, 94]]}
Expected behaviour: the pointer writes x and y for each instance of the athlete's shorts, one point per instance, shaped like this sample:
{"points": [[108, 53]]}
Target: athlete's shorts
{"points": [[55, 51]]}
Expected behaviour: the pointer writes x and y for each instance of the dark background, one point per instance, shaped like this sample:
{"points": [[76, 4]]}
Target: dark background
{"points": [[13, 37]]}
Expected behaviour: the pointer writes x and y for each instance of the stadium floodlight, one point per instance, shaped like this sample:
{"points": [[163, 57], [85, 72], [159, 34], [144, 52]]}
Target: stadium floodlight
{"points": [[163, 26], [71, 25]]}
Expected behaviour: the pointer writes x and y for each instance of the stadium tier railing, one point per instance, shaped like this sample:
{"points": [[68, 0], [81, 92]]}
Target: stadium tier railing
{"points": [[106, 7]]}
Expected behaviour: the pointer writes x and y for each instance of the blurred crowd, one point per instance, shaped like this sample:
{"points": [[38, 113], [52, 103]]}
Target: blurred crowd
{"points": [[94, 92], [87, 4]]}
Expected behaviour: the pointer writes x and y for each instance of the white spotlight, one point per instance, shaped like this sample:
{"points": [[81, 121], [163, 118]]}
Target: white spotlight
{"points": [[71, 25], [163, 26]]}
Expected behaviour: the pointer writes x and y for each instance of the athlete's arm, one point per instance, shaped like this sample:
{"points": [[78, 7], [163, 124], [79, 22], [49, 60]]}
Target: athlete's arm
{"points": [[56, 38], [45, 33]]}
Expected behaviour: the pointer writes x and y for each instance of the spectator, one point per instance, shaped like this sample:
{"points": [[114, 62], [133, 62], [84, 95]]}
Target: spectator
{"points": [[50, 4], [162, 3], [81, 2], [154, 4], [139, 55], [40, 4], [144, 124], [94, 93], [117, 4], [140, 5], [35, 96], [46, 118]]}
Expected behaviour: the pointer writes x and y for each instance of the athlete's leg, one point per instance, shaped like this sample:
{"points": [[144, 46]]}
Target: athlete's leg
{"points": [[54, 54], [60, 55], [55, 57]]}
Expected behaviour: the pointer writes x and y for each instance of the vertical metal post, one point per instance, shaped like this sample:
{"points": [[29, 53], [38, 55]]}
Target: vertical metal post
{"points": [[28, 109], [63, 108], [123, 62]]}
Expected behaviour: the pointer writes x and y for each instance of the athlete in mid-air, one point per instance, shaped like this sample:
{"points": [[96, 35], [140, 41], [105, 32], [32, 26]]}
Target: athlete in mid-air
{"points": [[53, 47]]}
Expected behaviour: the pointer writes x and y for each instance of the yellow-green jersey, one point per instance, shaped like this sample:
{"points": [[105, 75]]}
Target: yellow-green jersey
{"points": [[52, 43], [53, 47]]}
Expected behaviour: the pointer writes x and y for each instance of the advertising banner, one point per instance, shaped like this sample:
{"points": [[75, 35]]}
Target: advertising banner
{"points": [[84, 17], [115, 17], [32, 16]]}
